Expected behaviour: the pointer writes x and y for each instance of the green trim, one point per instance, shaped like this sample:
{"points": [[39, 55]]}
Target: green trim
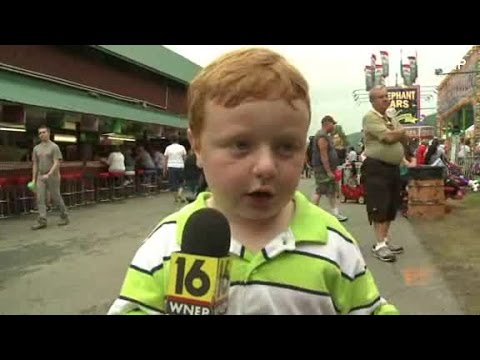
{"points": [[156, 58], [31, 91], [148, 289]]}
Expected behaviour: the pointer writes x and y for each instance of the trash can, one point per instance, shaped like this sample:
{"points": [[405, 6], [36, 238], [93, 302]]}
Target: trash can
{"points": [[426, 192]]}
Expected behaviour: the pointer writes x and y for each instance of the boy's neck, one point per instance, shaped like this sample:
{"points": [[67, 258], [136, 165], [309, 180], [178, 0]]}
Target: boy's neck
{"points": [[255, 234]]}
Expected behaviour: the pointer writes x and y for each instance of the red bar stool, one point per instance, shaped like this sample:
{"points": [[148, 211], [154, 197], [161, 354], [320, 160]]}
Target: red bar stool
{"points": [[130, 184], [104, 191], [24, 196], [153, 181], [162, 182], [148, 182], [139, 179], [5, 193], [69, 190], [79, 189], [117, 180], [88, 188]]}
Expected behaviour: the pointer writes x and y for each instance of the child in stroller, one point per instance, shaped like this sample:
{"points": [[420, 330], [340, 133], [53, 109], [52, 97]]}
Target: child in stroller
{"points": [[455, 182], [351, 187]]}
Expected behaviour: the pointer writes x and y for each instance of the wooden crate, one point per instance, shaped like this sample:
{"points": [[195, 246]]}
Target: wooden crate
{"points": [[426, 199]]}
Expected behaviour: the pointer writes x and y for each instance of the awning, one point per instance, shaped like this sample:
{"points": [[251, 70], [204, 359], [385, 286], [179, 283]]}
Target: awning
{"points": [[156, 58], [23, 89]]}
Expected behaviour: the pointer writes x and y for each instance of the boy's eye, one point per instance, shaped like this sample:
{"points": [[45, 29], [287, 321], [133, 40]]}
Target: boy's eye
{"points": [[287, 148], [240, 145]]}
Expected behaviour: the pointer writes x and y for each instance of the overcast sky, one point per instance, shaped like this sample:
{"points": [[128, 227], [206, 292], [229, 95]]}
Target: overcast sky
{"points": [[335, 71]]}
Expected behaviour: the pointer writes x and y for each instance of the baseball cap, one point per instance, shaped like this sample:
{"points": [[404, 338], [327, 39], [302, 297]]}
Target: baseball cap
{"points": [[328, 119]]}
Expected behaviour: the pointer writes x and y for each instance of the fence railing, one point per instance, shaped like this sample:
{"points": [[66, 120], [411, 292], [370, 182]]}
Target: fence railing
{"points": [[470, 166]]}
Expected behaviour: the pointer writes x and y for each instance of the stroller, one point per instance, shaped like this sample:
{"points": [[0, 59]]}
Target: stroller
{"points": [[350, 185], [455, 182]]}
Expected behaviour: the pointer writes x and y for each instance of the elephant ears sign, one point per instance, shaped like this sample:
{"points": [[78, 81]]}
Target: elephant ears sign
{"points": [[406, 102]]}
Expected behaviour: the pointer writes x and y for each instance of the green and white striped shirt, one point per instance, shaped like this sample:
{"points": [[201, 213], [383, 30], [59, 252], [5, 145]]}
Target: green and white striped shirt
{"points": [[315, 267]]}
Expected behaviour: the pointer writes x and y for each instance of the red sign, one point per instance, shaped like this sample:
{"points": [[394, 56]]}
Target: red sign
{"points": [[420, 132]]}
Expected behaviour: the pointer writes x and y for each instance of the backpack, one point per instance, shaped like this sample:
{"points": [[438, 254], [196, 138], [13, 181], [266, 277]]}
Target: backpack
{"points": [[311, 144]]}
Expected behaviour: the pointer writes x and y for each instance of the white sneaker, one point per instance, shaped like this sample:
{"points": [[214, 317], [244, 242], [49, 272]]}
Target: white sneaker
{"points": [[341, 218]]}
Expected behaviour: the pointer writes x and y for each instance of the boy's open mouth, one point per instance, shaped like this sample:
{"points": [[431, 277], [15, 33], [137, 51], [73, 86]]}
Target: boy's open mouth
{"points": [[260, 194]]}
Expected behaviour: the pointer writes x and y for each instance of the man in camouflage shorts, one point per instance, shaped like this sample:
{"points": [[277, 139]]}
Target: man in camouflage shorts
{"points": [[324, 162]]}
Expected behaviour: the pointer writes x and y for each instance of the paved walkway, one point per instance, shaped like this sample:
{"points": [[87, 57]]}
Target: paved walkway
{"points": [[412, 283]]}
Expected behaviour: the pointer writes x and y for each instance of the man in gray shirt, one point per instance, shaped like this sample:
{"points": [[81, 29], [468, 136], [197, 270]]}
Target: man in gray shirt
{"points": [[46, 158], [324, 163]]}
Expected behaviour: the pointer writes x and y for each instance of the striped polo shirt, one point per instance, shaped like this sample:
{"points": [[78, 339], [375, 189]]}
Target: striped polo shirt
{"points": [[315, 267]]}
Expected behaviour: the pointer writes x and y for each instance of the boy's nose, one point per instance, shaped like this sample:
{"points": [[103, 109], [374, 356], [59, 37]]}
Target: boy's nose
{"points": [[265, 164]]}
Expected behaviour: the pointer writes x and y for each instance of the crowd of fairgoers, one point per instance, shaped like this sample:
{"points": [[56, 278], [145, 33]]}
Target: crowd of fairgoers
{"points": [[461, 164]]}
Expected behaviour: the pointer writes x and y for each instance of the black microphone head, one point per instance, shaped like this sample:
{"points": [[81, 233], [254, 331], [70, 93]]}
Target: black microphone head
{"points": [[206, 233]]}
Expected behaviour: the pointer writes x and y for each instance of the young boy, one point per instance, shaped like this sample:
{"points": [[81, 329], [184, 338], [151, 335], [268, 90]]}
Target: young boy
{"points": [[249, 113]]}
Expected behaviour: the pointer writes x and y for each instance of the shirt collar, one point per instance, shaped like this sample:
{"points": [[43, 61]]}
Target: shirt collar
{"points": [[382, 116], [301, 227]]}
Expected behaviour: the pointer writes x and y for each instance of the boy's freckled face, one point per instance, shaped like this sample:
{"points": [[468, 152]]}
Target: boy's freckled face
{"points": [[253, 155]]}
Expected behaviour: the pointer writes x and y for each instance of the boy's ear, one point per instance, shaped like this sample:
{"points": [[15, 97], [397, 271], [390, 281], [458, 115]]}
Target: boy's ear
{"points": [[195, 143]]}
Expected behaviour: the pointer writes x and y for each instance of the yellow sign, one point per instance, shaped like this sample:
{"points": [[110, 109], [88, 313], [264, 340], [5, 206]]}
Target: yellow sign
{"points": [[406, 102], [197, 284]]}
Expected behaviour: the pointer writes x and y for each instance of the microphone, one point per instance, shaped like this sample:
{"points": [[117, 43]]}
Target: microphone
{"points": [[199, 277]]}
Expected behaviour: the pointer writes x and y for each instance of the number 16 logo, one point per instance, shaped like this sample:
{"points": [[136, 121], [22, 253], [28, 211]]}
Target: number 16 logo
{"points": [[196, 282]]}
